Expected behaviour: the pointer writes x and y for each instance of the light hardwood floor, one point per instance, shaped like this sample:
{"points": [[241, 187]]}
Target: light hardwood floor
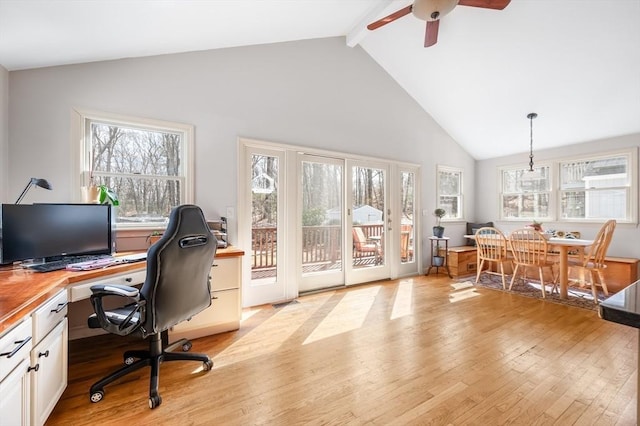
{"points": [[410, 351]]}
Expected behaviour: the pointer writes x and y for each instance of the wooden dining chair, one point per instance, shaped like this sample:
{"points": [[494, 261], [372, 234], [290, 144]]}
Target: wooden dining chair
{"points": [[593, 261], [491, 247], [530, 249]]}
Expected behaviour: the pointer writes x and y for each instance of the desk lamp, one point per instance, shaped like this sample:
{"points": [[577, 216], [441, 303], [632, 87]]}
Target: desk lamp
{"points": [[42, 183]]}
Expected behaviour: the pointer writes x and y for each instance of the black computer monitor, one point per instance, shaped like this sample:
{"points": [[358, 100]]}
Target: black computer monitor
{"points": [[51, 231]]}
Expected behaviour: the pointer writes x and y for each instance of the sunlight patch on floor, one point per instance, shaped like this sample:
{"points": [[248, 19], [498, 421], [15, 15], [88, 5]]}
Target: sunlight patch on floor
{"points": [[254, 344], [462, 295], [349, 314], [462, 285], [402, 304], [462, 291], [248, 313]]}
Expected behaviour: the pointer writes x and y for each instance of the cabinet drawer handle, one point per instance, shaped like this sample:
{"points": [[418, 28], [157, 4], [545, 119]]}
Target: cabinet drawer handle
{"points": [[44, 354], [20, 344], [60, 307], [36, 368], [214, 265], [129, 279], [214, 297]]}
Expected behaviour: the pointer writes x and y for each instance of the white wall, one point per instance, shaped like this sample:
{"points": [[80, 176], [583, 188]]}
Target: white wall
{"points": [[4, 133], [316, 93], [626, 237]]}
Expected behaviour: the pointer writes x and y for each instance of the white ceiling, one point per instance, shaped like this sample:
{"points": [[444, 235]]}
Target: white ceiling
{"points": [[574, 62]]}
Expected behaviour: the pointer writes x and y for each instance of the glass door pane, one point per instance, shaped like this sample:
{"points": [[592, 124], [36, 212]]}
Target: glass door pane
{"points": [[321, 196], [264, 218], [369, 222], [407, 215]]}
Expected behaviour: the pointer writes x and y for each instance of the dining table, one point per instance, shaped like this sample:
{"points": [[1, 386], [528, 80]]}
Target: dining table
{"points": [[563, 246]]}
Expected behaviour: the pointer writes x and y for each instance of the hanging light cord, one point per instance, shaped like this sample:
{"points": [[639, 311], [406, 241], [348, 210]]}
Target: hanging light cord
{"points": [[531, 116]]}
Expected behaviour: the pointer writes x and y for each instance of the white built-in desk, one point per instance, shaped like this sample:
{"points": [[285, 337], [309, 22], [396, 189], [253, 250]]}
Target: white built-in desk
{"points": [[34, 328]]}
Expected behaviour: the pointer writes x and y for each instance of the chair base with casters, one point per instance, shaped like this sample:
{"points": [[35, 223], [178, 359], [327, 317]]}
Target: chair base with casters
{"points": [[158, 353]]}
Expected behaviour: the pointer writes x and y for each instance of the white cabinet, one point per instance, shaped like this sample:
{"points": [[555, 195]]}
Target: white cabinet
{"points": [[15, 345], [14, 396], [33, 364], [225, 311], [49, 373], [48, 366]]}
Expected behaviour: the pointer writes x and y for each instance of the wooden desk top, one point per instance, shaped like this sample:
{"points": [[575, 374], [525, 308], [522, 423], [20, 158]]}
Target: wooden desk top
{"points": [[23, 290]]}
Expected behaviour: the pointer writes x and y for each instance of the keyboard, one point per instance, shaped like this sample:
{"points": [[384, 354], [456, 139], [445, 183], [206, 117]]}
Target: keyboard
{"points": [[132, 258], [56, 265]]}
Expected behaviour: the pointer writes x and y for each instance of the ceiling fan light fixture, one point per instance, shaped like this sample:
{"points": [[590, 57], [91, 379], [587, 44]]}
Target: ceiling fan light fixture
{"points": [[432, 10]]}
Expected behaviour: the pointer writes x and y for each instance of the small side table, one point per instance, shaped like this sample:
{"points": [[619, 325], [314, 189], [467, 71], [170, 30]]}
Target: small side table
{"points": [[435, 249]]}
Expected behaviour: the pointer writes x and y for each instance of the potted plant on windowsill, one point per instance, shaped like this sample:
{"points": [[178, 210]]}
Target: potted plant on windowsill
{"points": [[107, 196], [153, 237], [438, 230]]}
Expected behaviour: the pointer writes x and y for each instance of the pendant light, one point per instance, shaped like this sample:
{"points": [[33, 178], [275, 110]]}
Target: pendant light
{"points": [[531, 116]]}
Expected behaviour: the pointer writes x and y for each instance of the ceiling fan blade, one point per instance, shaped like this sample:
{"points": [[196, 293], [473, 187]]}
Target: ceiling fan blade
{"points": [[431, 33], [395, 15], [486, 4]]}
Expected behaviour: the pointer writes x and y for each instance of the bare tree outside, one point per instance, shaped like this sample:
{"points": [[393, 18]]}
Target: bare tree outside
{"points": [[141, 166]]}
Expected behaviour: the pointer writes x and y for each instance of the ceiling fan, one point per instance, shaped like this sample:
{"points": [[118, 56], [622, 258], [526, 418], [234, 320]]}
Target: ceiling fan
{"points": [[432, 10]]}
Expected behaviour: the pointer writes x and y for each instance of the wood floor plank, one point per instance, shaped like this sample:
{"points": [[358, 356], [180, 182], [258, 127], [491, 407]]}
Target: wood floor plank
{"points": [[410, 351]]}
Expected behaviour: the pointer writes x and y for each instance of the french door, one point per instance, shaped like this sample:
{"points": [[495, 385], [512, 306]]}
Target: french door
{"points": [[264, 224], [369, 222], [309, 221], [407, 205], [321, 222]]}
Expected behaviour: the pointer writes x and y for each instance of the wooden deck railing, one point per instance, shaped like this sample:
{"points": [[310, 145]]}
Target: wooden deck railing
{"points": [[319, 244]]}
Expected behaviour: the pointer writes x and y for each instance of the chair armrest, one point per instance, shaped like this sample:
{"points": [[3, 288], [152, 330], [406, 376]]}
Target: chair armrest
{"points": [[116, 290], [126, 326]]}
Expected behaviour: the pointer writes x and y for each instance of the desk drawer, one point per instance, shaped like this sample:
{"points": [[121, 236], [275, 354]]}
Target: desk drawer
{"points": [[82, 290], [15, 346], [225, 274], [222, 315], [49, 315]]}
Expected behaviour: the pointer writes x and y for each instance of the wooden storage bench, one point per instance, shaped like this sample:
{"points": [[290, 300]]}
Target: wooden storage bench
{"points": [[462, 261], [620, 272]]}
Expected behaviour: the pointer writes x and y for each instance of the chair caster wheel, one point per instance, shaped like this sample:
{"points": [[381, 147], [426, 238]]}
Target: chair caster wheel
{"points": [[186, 347], [207, 365], [129, 360], [96, 396], [155, 401]]}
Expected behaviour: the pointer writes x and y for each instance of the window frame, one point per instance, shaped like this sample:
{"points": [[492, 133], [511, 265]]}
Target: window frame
{"points": [[631, 190], [81, 146], [551, 193], [461, 211], [555, 200]]}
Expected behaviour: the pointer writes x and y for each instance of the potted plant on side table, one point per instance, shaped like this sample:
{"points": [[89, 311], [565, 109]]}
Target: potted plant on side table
{"points": [[438, 230]]}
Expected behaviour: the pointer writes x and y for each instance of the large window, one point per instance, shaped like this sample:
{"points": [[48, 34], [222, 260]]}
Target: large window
{"points": [[596, 188], [146, 163], [449, 185], [525, 194], [589, 189]]}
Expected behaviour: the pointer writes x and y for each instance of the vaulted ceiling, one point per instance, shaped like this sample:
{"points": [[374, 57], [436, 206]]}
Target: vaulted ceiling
{"points": [[574, 62]]}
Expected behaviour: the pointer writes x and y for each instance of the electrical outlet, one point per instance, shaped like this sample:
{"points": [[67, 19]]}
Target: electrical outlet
{"points": [[231, 213]]}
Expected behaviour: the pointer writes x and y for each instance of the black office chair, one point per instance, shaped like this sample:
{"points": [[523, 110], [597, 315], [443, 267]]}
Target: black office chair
{"points": [[176, 288]]}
